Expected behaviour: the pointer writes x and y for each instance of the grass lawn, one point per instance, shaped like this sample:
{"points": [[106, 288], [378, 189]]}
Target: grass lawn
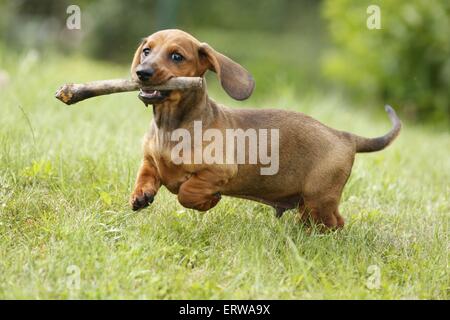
{"points": [[66, 174]]}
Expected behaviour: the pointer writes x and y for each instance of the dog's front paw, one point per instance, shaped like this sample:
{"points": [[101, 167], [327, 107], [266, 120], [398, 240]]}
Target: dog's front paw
{"points": [[210, 203], [141, 199], [203, 204]]}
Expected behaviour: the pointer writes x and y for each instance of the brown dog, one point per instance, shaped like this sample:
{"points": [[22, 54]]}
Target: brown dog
{"points": [[315, 161]]}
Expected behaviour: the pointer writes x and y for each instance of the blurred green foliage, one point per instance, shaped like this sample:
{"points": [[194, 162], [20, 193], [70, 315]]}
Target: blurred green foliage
{"points": [[284, 43], [405, 63], [124, 25], [111, 29], [279, 41]]}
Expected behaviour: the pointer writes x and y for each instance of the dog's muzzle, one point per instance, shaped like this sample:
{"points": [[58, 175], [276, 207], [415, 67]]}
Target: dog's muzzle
{"points": [[153, 96]]}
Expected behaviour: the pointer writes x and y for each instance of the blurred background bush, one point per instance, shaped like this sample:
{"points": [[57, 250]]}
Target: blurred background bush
{"points": [[292, 47], [406, 61]]}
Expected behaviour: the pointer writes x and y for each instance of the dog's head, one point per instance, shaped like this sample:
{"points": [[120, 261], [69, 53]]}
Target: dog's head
{"points": [[174, 53]]}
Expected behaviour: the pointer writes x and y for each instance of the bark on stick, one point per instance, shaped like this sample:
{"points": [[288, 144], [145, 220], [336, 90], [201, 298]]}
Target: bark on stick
{"points": [[71, 93]]}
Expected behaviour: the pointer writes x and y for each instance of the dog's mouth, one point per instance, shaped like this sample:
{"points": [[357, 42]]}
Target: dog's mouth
{"points": [[153, 96]]}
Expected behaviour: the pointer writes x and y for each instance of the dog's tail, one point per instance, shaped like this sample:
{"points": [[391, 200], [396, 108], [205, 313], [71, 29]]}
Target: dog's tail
{"points": [[375, 144]]}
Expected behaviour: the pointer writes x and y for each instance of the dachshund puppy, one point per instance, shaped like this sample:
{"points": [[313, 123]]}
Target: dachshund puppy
{"points": [[315, 161]]}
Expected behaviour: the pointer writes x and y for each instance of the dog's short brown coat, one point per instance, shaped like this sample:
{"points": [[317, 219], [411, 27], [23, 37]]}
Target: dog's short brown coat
{"points": [[315, 160]]}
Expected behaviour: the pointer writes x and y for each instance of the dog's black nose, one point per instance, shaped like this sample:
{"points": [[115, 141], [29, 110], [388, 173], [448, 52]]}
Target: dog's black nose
{"points": [[145, 74]]}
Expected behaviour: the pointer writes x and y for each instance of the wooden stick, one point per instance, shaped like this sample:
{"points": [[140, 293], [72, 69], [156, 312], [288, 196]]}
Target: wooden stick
{"points": [[71, 93]]}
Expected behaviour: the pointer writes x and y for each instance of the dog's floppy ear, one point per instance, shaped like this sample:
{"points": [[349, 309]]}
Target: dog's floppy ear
{"points": [[235, 80], [137, 58]]}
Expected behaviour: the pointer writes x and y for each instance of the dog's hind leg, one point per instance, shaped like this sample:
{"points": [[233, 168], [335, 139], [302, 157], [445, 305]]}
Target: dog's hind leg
{"points": [[287, 204], [339, 219], [322, 211], [279, 211]]}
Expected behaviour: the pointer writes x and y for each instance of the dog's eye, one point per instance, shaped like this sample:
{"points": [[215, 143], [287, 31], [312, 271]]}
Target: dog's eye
{"points": [[176, 57], [146, 52]]}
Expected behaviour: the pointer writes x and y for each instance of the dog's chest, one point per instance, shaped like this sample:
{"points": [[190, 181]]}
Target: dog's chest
{"points": [[159, 148]]}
